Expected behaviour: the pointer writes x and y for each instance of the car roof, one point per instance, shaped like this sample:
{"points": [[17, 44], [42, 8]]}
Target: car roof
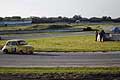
{"points": [[16, 40]]}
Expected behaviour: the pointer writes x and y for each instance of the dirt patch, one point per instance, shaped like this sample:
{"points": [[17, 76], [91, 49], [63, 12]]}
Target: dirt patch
{"points": [[60, 76]]}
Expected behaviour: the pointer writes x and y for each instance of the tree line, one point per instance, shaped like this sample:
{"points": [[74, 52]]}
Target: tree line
{"points": [[60, 19]]}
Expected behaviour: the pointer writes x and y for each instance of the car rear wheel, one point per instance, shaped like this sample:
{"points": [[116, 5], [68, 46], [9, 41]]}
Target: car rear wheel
{"points": [[5, 51], [21, 52]]}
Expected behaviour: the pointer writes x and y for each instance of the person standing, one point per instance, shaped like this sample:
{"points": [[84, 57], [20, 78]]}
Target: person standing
{"points": [[102, 35], [96, 35]]}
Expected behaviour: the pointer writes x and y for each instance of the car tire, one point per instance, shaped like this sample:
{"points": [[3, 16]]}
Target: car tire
{"points": [[31, 52], [21, 52], [5, 51]]}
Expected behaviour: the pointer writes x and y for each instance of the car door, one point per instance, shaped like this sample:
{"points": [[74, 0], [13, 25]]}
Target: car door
{"points": [[13, 46]]}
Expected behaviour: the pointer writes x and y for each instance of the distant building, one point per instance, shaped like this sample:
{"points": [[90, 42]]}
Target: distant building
{"points": [[16, 23]]}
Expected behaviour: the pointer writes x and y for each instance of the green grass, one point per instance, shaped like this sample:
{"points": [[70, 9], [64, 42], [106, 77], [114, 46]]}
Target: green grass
{"points": [[46, 25], [72, 44], [32, 27], [60, 70]]}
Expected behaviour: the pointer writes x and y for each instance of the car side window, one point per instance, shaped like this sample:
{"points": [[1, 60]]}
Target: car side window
{"points": [[8, 44], [14, 43]]}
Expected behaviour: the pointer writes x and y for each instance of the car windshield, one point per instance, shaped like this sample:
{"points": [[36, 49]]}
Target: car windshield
{"points": [[22, 43]]}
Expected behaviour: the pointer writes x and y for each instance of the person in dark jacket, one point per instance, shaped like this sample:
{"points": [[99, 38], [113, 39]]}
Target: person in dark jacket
{"points": [[96, 35], [102, 35]]}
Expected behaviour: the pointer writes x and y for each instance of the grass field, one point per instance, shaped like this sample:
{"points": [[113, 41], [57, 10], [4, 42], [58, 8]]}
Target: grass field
{"points": [[72, 44], [98, 26], [58, 73], [60, 70]]}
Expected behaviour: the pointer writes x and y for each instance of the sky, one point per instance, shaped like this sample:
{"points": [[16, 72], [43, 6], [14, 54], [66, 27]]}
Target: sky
{"points": [[54, 8]]}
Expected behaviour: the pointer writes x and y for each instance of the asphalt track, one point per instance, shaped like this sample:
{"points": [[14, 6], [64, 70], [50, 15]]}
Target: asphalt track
{"points": [[44, 35], [61, 59], [58, 59]]}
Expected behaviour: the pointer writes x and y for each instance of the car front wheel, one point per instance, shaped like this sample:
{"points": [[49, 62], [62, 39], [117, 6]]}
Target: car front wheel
{"points": [[5, 51]]}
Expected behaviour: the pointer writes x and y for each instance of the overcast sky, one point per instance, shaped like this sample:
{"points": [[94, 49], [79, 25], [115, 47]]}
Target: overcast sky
{"points": [[53, 8]]}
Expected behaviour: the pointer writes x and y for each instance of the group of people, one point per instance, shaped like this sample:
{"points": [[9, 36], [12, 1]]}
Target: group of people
{"points": [[100, 35]]}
